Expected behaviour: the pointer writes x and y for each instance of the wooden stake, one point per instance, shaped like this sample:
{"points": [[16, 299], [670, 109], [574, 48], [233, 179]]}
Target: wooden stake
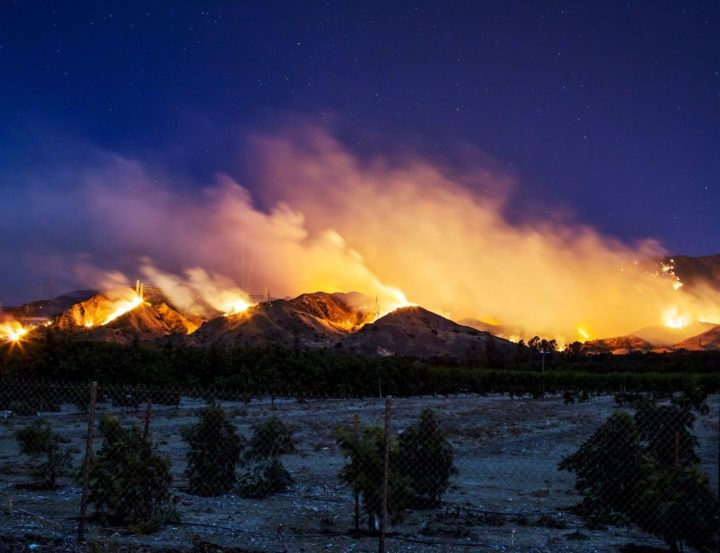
{"points": [[88, 461], [386, 474], [148, 412], [356, 428]]}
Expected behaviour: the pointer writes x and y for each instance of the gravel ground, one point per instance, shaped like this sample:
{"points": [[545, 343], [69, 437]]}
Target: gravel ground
{"points": [[507, 494]]}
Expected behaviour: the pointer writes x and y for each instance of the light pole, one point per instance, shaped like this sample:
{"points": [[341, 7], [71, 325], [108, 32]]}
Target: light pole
{"points": [[543, 353]]}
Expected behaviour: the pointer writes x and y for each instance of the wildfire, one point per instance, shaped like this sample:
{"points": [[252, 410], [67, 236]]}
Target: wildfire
{"points": [[583, 333], [395, 300], [12, 331], [128, 305], [237, 306], [672, 318]]}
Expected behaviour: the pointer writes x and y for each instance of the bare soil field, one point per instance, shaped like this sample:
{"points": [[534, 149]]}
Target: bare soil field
{"points": [[507, 493]]}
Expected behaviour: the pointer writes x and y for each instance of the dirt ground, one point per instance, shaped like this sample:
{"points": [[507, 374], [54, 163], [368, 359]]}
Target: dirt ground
{"points": [[507, 494]]}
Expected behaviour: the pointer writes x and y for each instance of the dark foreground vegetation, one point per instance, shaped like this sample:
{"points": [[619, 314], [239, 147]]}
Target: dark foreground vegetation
{"points": [[332, 373]]}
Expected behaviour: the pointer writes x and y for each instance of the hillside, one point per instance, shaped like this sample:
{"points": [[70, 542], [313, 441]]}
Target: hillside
{"points": [[663, 336], [709, 340], [415, 331], [694, 271], [144, 322], [619, 345], [310, 320], [49, 308]]}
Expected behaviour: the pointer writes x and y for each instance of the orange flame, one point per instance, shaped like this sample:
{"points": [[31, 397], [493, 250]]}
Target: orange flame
{"points": [[12, 331]]}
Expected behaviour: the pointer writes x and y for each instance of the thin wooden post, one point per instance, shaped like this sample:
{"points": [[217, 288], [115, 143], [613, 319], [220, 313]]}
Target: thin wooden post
{"points": [[386, 474], [88, 461], [148, 413], [356, 429]]}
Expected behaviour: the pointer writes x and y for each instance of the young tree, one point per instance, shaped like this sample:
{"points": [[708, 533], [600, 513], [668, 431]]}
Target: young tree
{"points": [[425, 457], [643, 470], [364, 473], [214, 453], [36, 440], [610, 468], [129, 481], [271, 439]]}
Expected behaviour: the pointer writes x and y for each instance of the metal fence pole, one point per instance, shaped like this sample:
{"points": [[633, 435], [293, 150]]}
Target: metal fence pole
{"points": [[356, 429], [386, 474], [88, 461]]}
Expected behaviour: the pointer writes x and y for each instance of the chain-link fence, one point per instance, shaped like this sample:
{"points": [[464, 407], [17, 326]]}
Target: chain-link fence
{"points": [[173, 470]]}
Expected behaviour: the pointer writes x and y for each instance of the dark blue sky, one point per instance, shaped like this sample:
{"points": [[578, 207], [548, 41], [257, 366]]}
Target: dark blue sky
{"points": [[609, 108]]}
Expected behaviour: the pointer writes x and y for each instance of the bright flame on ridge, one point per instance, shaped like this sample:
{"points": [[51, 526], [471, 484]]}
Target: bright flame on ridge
{"points": [[12, 331], [672, 318], [128, 306], [397, 299], [137, 300], [237, 306]]}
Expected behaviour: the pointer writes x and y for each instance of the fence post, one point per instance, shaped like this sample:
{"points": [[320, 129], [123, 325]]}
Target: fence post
{"points": [[386, 474], [356, 429], [88, 460], [148, 412]]}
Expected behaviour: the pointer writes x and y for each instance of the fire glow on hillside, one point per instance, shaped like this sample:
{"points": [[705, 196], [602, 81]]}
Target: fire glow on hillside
{"points": [[237, 306], [326, 220]]}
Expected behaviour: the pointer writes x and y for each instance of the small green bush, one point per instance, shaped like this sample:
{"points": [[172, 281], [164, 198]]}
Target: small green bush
{"points": [[265, 479], [425, 457], [129, 481], [215, 449], [364, 473], [642, 469], [271, 439], [36, 440]]}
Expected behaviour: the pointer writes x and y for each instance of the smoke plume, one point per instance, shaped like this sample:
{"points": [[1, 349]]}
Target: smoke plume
{"points": [[328, 220]]}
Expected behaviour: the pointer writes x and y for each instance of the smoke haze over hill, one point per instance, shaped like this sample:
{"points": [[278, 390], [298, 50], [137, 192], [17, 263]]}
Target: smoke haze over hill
{"points": [[328, 220]]}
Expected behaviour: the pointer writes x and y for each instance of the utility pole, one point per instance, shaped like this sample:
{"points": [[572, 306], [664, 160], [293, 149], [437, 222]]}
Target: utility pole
{"points": [[543, 353]]}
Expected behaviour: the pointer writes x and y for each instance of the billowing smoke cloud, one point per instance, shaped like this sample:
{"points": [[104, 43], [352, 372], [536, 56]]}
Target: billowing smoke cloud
{"points": [[334, 222]]}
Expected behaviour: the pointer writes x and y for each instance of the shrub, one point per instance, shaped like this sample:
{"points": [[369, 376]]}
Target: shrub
{"points": [[364, 473], [215, 448], [425, 457], [129, 481], [38, 439], [643, 470], [270, 440], [265, 479]]}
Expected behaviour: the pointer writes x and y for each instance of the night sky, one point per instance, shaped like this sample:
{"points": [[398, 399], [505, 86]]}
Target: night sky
{"points": [[610, 110]]}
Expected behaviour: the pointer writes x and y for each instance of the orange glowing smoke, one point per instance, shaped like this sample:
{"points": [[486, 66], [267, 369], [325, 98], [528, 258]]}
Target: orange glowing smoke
{"points": [[392, 228]]}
